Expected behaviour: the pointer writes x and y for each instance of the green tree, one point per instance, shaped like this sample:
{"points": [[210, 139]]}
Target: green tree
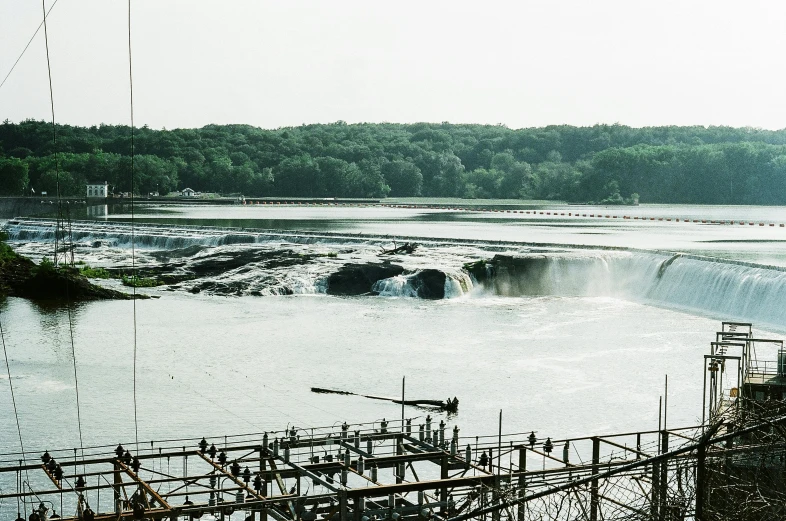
{"points": [[403, 177], [13, 176]]}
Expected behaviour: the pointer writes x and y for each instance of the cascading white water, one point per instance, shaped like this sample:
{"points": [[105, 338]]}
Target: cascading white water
{"points": [[398, 286], [119, 235], [741, 291], [457, 283], [716, 287]]}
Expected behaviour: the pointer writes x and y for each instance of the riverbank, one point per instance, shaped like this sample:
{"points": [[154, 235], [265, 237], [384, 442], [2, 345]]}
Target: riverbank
{"points": [[21, 277]]}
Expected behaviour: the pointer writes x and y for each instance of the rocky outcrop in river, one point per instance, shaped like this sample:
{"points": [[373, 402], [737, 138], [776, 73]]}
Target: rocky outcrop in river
{"points": [[21, 277], [359, 279]]}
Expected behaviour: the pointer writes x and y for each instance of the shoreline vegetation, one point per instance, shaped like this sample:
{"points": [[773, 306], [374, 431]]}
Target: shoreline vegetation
{"points": [[602, 164], [21, 277]]}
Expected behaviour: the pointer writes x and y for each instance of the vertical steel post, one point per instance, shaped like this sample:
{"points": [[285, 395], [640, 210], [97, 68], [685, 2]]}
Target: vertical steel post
{"points": [[399, 452], [342, 505], [638, 446], [704, 394], [262, 467], [403, 387], [358, 509], [700, 481], [664, 469], [499, 446], [654, 500], [594, 499], [117, 482], [522, 481], [666, 403], [443, 492]]}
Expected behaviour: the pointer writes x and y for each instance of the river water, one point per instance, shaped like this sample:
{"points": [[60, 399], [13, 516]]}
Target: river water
{"points": [[582, 350]]}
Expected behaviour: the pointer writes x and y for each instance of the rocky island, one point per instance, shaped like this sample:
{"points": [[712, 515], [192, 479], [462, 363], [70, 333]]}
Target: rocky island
{"points": [[21, 277]]}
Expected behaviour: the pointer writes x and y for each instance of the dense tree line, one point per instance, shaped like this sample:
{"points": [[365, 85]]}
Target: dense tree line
{"points": [[603, 163]]}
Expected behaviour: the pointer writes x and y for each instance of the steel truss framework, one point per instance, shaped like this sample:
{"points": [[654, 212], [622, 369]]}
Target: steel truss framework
{"points": [[362, 473], [732, 467]]}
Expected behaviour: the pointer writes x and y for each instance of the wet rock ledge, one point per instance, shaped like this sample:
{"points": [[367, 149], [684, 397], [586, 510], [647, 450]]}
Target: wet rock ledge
{"points": [[359, 279], [21, 277]]}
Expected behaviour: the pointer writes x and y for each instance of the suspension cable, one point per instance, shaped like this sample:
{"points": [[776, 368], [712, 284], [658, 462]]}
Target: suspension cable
{"points": [[134, 278], [58, 225], [13, 400], [26, 46], [54, 132]]}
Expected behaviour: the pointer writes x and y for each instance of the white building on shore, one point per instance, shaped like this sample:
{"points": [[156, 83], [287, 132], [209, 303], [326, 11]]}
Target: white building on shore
{"points": [[98, 190]]}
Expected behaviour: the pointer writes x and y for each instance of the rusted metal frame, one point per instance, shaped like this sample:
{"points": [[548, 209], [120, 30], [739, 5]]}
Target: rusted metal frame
{"points": [[352, 448], [142, 483], [109, 459], [237, 482], [150, 514], [186, 483], [280, 483], [428, 449], [172, 453], [315, 477], [634, 451], [393, 460], [464, 471], [48, 492], [380, 462], [367, 478], [269, 502], [201, 493], [51, 477], [97, 461], [401, 488], [412, 468], [548, 456], [693, 440], [615, 435], [417, 454], [169, 479], [87, 474]]}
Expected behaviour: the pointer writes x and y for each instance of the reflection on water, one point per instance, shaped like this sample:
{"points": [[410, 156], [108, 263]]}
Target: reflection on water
{"points": [[97, 210]]}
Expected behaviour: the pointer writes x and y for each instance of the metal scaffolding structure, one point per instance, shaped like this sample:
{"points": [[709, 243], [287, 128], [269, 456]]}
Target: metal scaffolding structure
{"points": [[730, 467]]}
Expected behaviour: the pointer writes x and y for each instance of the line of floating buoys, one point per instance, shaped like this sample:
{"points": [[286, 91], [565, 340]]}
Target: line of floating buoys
{"points": [[528, 212]]}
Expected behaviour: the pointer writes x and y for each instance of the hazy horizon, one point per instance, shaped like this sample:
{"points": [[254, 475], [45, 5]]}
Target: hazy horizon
{"points": [[521, 64]]}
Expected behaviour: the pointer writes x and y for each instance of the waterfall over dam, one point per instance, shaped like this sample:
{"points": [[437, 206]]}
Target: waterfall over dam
{"points": [[704, 285]]}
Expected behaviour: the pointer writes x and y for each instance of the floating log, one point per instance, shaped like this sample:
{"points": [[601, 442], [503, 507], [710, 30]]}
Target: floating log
{"points": [[328, 391], [407, 247], [451, 405]]}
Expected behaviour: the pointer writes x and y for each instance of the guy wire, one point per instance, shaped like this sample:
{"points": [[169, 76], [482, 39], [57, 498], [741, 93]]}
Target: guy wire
{"points": [[58, 224], [13, 400], [54, 132], [134, 277], [26, 46]]}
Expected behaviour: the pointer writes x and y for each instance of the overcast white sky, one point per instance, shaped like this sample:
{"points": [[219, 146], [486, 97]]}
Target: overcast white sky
{"points": [[522, 63]]}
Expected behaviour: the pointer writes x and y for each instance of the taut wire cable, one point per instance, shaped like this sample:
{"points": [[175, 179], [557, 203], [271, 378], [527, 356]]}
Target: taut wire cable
{"points": [[13, 400], [26, 46], [134, 279], [58, 225]]}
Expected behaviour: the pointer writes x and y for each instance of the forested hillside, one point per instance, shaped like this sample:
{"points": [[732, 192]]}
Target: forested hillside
{"points": [[604, 163]]}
